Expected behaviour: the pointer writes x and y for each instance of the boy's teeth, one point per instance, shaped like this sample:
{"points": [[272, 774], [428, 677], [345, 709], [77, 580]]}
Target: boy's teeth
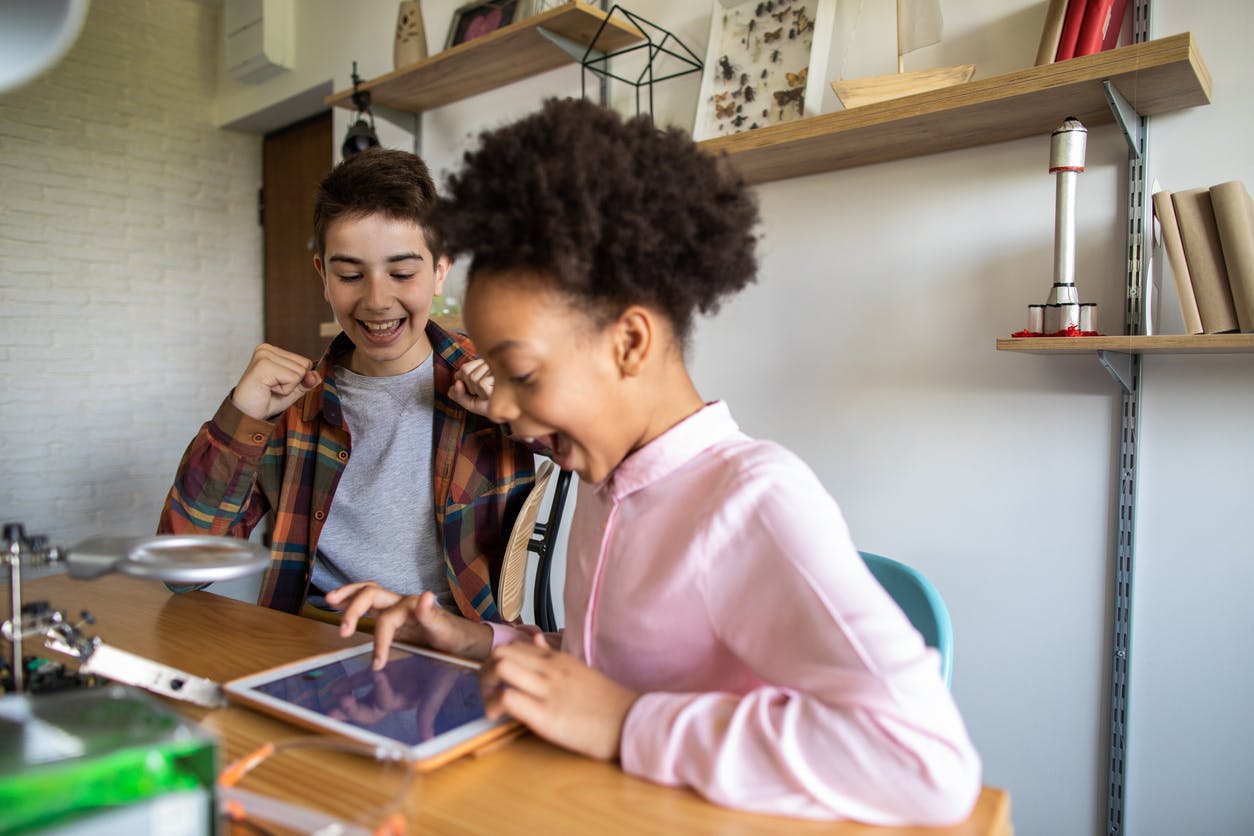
{"points": [[382, 326]]}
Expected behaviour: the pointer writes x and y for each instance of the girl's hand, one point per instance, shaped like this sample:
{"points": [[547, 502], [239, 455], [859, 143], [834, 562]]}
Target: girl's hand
{"points": [[472, 386], [557, 697], [414, 619]]}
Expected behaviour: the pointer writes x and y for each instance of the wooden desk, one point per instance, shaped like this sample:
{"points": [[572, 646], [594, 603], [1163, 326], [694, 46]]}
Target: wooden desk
{"points": [[525, 786]]}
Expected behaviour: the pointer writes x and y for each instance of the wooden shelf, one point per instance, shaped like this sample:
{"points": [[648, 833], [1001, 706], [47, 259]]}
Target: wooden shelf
{"points": [[1159, 344], [1158, 76], [507, 55]]}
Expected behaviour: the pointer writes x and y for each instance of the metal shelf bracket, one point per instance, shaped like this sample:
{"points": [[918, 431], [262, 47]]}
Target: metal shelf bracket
{"points": [[1127, 117], [1119, 365], [574, 49]]}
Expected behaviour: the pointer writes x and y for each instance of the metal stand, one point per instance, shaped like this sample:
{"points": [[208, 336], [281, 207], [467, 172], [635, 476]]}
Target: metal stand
{"points": [[1126, 368], [174, 558]]}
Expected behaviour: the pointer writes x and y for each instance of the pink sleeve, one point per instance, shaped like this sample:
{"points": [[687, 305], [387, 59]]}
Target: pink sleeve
{"points": [[508, 633], [854, 721]]}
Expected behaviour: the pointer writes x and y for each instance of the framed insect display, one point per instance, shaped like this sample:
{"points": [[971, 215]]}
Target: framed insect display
{"points": [[766, 63]]}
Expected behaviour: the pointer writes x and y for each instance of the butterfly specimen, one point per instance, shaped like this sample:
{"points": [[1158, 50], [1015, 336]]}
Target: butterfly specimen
{"points": [[804, 24], [783, 97], [771, 37], [797, 79]]}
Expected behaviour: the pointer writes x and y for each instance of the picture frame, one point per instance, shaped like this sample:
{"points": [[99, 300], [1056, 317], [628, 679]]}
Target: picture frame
{"points": [[765, 63], [474, 20]]}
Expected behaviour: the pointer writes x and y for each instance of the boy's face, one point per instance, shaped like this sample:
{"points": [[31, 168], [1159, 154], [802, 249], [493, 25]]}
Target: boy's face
{"points": [[556, 379], [379, 277]]}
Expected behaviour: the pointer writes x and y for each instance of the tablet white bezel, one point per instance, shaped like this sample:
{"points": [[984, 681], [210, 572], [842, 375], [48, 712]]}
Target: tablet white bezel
{"points": [[431, 752]]}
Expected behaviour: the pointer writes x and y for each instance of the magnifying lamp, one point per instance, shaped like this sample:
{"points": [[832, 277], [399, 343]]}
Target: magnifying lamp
{"points": [[36, 35], [176, 558]]}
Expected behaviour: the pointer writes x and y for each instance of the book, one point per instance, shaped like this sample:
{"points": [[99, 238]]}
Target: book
{"points": [[1209, 275], [1093, 27], [1117, 14], [1070, 33], [1166, 214], [1234, 215], [1051, 32]]}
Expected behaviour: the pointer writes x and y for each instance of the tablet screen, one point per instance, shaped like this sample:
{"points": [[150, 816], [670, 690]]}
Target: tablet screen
{"points": [[423, 706], [413, 699]]}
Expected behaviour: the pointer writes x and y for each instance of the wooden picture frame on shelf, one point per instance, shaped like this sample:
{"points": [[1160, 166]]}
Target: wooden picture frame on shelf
{"points": [[474, 20], [765, 63]]}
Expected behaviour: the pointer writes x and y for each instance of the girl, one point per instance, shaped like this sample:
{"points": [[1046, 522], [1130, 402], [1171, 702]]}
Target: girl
{"points": [[723, 632]]}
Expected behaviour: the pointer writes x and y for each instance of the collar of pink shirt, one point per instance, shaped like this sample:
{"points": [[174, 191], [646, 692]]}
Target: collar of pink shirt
{"points": [[670, 451]]}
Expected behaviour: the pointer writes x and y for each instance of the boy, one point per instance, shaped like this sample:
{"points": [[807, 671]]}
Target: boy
{"points": [[425, 489]]}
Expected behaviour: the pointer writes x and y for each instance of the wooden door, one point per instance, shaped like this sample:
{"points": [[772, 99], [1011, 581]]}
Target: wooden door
{"points": [[294, 161]]}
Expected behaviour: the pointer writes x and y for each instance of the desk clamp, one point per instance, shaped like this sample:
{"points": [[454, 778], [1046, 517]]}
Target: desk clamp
{"points": [[100, 659], [191, 559]]}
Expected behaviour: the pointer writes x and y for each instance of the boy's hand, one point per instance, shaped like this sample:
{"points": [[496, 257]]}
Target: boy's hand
{"points": [[472, 386], [415, 619], [274, 380], [557, 697]]}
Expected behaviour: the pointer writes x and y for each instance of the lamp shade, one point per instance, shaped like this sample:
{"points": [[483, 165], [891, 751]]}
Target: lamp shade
{"points": [[360, 136], [36, 35]]}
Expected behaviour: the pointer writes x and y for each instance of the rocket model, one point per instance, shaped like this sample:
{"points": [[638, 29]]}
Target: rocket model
{"points": [[1062, 312]]}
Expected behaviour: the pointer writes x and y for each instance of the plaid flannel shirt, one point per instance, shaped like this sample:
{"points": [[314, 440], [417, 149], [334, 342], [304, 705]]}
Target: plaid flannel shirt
{"points": [[238, 469]]}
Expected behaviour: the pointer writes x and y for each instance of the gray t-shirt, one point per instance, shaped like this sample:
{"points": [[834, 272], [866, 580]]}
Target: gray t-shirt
{"points": [[381, 526]]}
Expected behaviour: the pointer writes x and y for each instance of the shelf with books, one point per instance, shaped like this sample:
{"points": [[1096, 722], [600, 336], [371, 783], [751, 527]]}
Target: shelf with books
{"points": [[1208, 235], [1154, 344], [509, 54], [1158, 76]]}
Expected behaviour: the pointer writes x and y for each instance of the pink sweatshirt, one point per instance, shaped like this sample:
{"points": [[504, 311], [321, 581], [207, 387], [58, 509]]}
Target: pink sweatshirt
{"points": [[715, 575]]}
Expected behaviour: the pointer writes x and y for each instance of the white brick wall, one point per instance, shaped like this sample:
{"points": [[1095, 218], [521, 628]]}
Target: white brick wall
{"points": [[130, 269]]}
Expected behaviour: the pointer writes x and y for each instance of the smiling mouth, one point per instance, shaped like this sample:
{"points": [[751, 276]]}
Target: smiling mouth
{"points": [[381, 330]]}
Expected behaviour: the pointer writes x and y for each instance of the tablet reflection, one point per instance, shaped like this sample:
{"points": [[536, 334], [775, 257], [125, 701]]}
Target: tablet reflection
{"points": [[411, 700]]}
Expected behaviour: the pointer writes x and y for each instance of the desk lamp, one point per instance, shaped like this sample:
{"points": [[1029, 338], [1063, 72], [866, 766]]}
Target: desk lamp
{"points": [[35, 36], [175, 558]]}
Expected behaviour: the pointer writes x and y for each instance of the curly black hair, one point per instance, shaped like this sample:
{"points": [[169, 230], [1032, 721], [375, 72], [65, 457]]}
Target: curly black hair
{"points": [[612, 211], [377, 181]]}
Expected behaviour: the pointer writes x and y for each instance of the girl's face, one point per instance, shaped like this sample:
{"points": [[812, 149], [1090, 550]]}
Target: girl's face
{"points": [[558, 375]]}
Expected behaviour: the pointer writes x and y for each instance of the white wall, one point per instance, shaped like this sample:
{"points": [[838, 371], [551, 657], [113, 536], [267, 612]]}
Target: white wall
{"points": [[1190, 732], [866, 346], [130, 269]]}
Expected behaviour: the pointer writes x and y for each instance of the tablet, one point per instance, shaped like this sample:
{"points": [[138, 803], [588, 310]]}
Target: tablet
{"points": [[423, 707]]}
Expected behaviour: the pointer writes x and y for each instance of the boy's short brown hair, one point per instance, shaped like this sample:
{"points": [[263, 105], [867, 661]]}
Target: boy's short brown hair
{"points": [[382, 181]]}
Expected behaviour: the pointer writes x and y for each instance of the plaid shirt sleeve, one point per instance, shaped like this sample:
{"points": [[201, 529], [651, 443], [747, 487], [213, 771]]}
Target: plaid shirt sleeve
{"points": [[213, 491], [482, 478]]}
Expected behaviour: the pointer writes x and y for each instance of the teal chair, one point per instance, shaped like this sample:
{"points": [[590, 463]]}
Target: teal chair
{"points": [[921, 603]]}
